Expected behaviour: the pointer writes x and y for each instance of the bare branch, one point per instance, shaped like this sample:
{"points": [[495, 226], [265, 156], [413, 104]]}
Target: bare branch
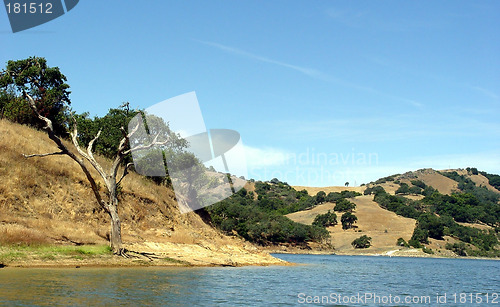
{"points": [[125, 172], [143, 147], [120, 154], [64, 150], [45, 154], [133, 130], [92, 161], [91, 145], [32, 104]]}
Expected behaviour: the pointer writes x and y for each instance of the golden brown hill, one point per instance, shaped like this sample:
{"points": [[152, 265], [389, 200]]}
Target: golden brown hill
{"points": [[48, 200], [384, 227]]}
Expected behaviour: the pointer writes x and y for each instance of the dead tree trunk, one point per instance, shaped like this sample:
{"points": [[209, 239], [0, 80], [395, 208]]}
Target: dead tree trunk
{"points": [[109, 177], [116, 230]]}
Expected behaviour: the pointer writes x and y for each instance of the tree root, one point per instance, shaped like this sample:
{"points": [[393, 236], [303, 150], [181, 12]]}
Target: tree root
{"points": [[135, 254]]}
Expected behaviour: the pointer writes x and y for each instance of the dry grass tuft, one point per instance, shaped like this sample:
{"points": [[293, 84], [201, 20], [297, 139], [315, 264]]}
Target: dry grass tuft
{"points": [[16, 234]]}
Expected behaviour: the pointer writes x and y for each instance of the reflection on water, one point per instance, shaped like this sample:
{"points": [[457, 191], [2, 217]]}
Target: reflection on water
{"points": [[246, 286]]}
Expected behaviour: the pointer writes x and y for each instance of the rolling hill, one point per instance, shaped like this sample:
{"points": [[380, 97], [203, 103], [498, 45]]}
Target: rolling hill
{"points": [[49, 201], [384, 226]]}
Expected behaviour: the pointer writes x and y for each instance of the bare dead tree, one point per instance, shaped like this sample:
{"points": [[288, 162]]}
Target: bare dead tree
{"points": [[109, 177]]}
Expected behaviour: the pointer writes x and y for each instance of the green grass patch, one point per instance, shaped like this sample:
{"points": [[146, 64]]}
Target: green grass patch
{"points": [[6, 256], [87, 250]]}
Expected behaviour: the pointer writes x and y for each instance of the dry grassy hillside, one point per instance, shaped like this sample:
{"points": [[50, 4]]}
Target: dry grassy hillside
{"points": [[384, 227], [431, 178], [48, 200]]}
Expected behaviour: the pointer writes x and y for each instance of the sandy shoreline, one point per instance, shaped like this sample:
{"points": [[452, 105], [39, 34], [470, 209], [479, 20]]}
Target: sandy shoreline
{"points": [[144, 254], [120, 262]]}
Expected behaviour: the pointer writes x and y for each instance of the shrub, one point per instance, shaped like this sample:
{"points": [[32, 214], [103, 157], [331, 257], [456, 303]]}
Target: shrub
{"points": [[362, 242], [402, 242], [320, 197], [432, 224], [335, 196], [420, 235], [414, 243], [344, 205], [415, 190], [457, 248], [427, 250], [373, 190], [261, 220], [428, 190], [403, 189], [348, 219], [396, 204], [419, 183], [325, 220]]}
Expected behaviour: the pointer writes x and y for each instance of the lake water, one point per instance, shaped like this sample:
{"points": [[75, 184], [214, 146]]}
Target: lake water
{"points": [[326, 279]]}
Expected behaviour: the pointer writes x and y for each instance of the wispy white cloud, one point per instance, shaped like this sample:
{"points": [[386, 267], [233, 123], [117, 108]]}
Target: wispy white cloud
{"points": [[485, 92], [361, 129], [310, 72], [305, 70], [390, 128], [364, 19], [405, 69]]}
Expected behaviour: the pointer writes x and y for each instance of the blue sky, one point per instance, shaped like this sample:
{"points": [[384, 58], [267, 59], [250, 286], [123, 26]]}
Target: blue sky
{"points": [[322, 92]]}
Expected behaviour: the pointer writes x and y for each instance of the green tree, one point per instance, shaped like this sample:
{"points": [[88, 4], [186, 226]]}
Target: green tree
{"points": [[108, 143], [348, 219], [46, 85], [420, 235], [402, 242], [344, 205], [419, 183], [320, 197], [415, 190], [373, 190], [432, 224], [457, 248], [403, 189], [362, 242], [325, 220]]}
